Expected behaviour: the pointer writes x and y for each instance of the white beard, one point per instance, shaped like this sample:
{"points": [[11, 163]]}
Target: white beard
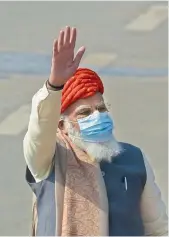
{"points": [[98, 151]]}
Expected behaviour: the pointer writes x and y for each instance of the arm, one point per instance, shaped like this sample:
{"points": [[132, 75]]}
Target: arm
{"points": [[152, 207], [40, 140]]}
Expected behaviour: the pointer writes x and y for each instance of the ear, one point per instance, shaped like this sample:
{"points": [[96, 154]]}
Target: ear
{"points": [[61, 126]]}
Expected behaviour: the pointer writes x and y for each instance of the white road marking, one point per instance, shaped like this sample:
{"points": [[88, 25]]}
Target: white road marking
{"points": [[149, 20], [99, 59], [16, 122]]}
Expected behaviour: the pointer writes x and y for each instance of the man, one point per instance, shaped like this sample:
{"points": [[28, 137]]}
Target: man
{"points": [[85, 182]]}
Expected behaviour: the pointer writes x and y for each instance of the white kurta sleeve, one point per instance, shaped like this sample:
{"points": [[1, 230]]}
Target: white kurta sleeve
{"points": [[152, 207], [40, 140]]}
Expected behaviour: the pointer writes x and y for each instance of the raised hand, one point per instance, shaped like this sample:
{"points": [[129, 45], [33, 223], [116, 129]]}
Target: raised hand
{"points": [[64, 64]]}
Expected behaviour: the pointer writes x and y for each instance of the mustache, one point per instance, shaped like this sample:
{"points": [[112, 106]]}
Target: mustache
{"points": [[99, 151]]}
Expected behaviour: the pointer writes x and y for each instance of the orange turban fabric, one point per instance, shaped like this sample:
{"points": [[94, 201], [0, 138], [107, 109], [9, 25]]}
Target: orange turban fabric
{"points": [[84, 83]]}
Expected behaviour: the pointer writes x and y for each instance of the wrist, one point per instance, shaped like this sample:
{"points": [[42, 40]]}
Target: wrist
{"points": [[54, 81], [51, 86]]}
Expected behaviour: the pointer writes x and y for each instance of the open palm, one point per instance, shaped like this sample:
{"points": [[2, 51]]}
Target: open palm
{"points": [[64, 64]]}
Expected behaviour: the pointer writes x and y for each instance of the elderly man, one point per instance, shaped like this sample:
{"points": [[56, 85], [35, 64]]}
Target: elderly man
{"points": [[85, 182]]}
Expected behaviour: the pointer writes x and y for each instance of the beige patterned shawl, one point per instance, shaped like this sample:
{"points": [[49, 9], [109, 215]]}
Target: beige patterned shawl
{"points": [[77, 196]]}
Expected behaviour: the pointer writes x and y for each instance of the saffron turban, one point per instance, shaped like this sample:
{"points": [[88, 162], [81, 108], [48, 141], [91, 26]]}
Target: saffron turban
{"points": [[82, 84]]}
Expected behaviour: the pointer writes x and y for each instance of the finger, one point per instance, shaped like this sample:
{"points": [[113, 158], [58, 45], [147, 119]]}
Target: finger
{"points": [[78, 57], [67, 36], [61, 40], [73, 37], [55, 47]]}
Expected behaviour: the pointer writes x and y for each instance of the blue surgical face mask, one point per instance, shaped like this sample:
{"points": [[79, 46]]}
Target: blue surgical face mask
{"points": [[96, 127]]}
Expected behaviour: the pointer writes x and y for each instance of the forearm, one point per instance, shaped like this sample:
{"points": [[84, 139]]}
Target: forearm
{"points": [[40, 140]]}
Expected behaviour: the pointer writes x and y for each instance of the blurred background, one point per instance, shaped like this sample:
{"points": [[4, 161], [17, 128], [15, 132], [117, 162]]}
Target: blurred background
{"points": [[127, 44]]}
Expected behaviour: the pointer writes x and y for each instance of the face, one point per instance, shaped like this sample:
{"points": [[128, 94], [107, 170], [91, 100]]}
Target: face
{"points": [[83, 108]]}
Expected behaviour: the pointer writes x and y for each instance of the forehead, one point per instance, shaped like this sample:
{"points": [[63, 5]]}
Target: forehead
{"points": [[91, 101]]}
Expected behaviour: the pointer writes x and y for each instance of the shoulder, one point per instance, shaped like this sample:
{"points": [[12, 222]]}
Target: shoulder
{"points": [[136, 152], [129, 147], [132, 156], [131, 152]]}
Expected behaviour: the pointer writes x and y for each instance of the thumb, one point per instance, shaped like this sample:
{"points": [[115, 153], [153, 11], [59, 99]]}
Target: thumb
{"points": [[78, 57]]}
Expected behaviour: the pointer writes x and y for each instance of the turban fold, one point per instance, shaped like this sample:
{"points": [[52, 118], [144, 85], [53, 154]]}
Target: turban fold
{"points": [[82, 84]]}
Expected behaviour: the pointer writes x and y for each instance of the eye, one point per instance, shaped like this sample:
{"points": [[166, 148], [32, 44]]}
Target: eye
{"points": [[84, 113]]}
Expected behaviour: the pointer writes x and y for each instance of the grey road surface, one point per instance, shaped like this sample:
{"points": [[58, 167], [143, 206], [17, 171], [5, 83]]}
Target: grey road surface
{"points": [[126, 44]]}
